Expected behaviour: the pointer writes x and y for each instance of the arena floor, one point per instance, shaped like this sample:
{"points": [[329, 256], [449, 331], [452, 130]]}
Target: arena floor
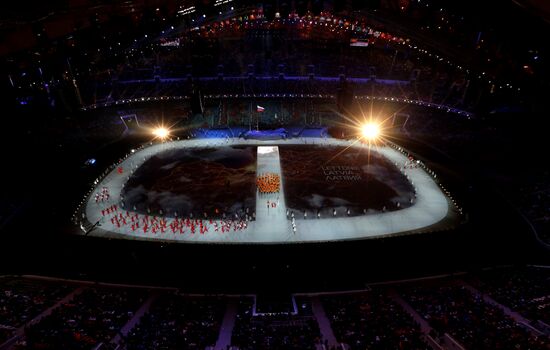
{"points": [[430, 209]]}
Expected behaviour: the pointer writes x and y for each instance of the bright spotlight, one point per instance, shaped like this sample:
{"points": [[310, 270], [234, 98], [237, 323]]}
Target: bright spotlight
{"points": [[161, 132], [370, 131]]}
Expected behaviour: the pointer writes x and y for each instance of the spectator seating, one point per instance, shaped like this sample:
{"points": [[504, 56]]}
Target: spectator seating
{"points": [[372, 320], [177, 322], [474, 323]]}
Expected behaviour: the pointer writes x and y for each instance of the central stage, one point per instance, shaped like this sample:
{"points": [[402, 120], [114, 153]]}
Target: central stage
{"points": [[204, 191]]}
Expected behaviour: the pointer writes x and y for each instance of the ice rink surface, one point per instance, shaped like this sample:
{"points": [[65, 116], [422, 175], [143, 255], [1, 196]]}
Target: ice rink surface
{"points": [[271, 225]]}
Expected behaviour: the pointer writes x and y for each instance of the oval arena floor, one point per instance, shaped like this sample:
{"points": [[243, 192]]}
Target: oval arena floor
{"points": [[269, 218]]}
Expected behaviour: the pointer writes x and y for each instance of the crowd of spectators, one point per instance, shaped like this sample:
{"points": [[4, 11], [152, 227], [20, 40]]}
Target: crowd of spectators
{"points": [[104, 58], [21, 300], [289, 56], [269, 51], [93, 317], [474, 323], [376, 318], [178, 322], [524, 290], [284, 331], [448, 96], [372, 320]]}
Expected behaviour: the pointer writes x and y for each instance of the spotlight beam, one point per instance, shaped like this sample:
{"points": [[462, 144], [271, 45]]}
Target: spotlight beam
{"points": [[161, 133], [370, 131]]}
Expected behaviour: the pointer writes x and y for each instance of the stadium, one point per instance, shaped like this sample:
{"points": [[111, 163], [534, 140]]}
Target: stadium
{"points": [[284, 174]]}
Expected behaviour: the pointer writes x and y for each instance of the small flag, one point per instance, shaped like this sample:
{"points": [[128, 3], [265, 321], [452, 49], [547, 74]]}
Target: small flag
{"points": [[259, 108]]}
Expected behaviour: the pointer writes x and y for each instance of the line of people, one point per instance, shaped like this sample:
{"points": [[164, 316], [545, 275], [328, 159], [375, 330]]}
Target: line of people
{"points": [[154, 224]]}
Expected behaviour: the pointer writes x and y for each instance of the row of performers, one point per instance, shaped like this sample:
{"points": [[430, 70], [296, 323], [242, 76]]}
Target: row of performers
{"points": [[153, 224]]}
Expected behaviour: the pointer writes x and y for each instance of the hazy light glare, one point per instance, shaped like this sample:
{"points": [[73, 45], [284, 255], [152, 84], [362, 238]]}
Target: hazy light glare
{"points": [[370, 131], [161, 132]]}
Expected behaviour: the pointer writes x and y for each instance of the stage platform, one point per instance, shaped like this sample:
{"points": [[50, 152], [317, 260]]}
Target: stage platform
{"points": [[428, 211]]}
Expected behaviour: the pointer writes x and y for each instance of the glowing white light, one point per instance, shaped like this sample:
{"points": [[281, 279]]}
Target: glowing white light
{"points": [[267, 149], [161, 132], [370, 131]]}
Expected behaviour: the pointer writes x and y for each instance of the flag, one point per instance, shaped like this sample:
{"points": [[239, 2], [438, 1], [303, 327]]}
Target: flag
{"points": [[259, 108]]}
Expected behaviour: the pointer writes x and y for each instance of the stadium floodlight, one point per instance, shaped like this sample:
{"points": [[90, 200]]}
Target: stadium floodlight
{"points": [[161, 132], [370, 131]]}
